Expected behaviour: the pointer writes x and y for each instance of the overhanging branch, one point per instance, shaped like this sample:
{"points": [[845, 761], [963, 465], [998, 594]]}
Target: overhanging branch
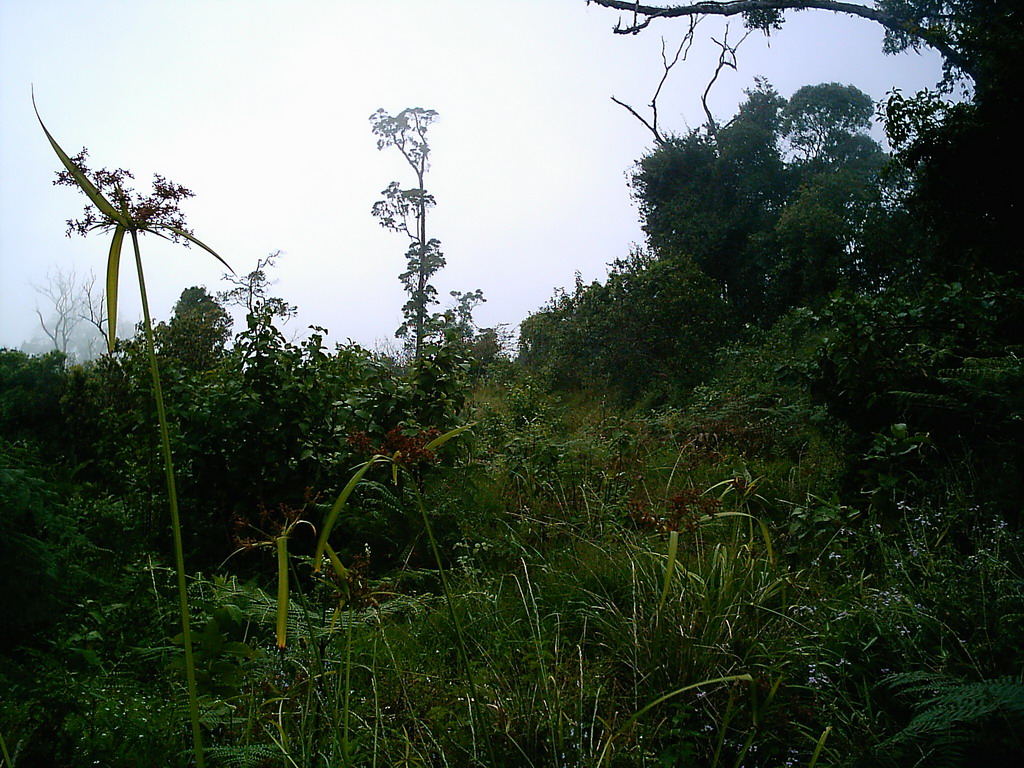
{"points": [[925, 34]]}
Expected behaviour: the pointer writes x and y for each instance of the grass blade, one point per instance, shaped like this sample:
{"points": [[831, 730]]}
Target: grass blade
{"points": [[670, 567], [764, 528], [332, 516], [192, 239], [684, 689], [335, 561], [819, 746], [660, 700], [437, 442], [87, 186]]}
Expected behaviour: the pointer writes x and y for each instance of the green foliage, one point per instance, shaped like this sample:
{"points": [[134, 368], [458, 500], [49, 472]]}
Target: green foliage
{"points": [[31, 587], [197, 333], [705, 195], [221, 652], [31, 388], [651, 328], [890, 460], [810, 556], [943, 361], [810, 247], [269, 424], [772, 234], [557, 572]]}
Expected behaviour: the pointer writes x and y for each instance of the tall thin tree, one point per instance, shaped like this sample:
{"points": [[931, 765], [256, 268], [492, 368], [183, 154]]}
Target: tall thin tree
{"points": [[405, 211]]}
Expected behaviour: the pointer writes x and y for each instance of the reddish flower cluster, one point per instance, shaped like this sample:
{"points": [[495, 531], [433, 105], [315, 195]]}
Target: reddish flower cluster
{"points": [[271, 523], [684, 510], [159, 209], [357, 585], [361, 443], [403, 448]]}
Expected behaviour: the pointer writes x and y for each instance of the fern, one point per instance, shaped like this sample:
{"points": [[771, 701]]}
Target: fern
{"points": [[989, 388], [957, 723], [251, 756]]}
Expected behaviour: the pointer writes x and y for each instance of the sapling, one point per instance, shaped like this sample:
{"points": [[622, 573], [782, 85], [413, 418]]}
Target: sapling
{"points": [[118, 208]]}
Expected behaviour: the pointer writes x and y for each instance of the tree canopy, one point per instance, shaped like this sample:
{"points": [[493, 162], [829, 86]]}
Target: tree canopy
{"points": [[773, 231]]}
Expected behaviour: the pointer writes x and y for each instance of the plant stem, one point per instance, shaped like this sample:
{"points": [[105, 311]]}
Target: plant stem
{"points": [[346, 755], [172, 497], [7, 756], [455, 622]]}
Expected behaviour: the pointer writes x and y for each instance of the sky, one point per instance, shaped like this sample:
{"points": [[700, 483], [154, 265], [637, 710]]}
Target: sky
{"points": [[261, 108]]}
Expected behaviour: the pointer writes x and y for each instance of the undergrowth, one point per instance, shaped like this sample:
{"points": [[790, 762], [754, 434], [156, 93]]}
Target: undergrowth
{"points": [[633, 589]]}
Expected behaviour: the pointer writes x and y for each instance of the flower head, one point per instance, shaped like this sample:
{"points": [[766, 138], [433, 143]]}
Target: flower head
{"points": [[159, 210]]}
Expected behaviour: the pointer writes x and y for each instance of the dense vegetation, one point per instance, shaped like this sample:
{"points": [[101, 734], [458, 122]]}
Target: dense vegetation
{"points": [[753, 500]]}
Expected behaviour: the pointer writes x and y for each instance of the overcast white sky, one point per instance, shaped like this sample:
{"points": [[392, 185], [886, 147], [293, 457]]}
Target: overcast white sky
{"points": [[261, 107]]}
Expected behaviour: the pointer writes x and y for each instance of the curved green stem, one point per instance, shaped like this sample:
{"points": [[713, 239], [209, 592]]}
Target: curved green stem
{"points": [[172, 497], [10, 763]]}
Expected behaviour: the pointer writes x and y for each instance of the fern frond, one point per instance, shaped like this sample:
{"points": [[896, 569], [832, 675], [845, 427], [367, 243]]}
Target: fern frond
{"points": [[250, 756], [952, 718]]}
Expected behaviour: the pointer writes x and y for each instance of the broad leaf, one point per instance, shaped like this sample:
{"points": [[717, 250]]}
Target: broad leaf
{"points": [[113, 267], [282, 592]]}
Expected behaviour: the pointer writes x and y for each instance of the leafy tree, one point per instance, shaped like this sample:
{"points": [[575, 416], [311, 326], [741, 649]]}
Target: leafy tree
{"points": [[826, 124], [706, 195], [198, 330], [461, 314], [251, 292], [817, 244], [947, 150], [482, 347], [773, 234], [653, 326], [405, 211]]}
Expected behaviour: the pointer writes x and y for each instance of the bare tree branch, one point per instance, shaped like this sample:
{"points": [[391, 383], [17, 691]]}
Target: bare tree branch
{"points": [[51, 335], [726, 58], [71, 302], [95, 310], [653, 129], [682, 51], [61, 290]]}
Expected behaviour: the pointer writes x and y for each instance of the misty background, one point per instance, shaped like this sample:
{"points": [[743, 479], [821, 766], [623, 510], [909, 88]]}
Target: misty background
{"points": [[261, 109]]}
